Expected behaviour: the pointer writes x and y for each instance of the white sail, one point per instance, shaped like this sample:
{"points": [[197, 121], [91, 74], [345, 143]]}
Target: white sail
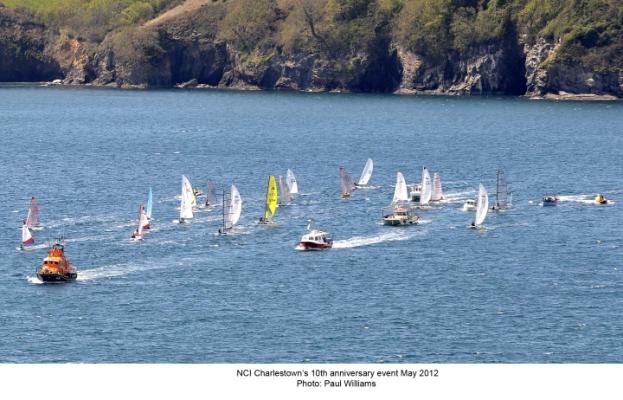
{"points": [[482, 206], [291, 181], [186, 207], [141, 218], [366, 173], [400, 192], [426, 188], [187, 188], [437, 194], [285, 197], [26, 235], [236, 205]]}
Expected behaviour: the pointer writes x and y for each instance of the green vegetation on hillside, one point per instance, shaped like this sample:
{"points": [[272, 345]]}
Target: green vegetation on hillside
{"points": [[590, 31], [92, 19]]}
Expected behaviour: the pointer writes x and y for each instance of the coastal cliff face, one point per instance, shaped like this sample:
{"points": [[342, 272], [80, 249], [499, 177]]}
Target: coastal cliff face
{"points": [[24, 46], [546, 76], [189, 49]]}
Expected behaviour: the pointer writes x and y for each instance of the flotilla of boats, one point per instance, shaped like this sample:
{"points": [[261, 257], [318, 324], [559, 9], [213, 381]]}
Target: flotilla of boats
{"points": [[281, 192]]}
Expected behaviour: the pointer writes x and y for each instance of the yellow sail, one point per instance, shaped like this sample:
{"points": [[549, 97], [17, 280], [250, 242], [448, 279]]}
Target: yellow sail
{"points": [[271, 198]]}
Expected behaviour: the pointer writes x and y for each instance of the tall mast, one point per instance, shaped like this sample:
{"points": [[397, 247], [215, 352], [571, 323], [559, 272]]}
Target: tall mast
{"points": [[497, 190]]}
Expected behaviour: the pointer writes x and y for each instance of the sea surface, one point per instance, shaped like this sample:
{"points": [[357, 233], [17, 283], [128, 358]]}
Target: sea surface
{"points": [[536, 285]]}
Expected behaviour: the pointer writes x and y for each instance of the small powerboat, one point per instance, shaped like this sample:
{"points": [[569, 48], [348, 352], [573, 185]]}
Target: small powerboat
{"points": [[550, 200], [416, 193], [469, 205], [601, 199], [400, 215], [56, 267], [315, 239]]}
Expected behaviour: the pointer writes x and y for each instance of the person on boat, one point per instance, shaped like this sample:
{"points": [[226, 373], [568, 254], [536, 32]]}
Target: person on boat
{"points": [[601, 199], [134, 234]]}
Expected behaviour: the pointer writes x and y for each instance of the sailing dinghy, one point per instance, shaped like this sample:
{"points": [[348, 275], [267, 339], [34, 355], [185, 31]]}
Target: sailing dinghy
{"points": [[150, 204], [232, 208], [366, 174], [502, 195], [142, 221], [482, 206], [186, 205], [189, 191], [427, 190], [27, 238], [32, 220], [285, 197], [346, 183], [271, 201], [437, 193], [293, 186]]}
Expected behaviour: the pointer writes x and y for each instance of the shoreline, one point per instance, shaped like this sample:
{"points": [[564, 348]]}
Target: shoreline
{"points": [[561, 96]]}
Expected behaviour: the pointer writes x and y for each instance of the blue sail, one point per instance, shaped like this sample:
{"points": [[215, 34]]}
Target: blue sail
{"points": [[149, 204]]}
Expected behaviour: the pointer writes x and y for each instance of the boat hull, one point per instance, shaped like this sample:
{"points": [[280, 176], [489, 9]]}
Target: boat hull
{"points": [[57, 278], [389, 221], [312, 246], [549, 203]]}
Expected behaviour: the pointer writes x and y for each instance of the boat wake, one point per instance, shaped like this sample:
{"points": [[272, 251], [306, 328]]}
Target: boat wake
{"points": [[359, 241], [34, 280], [35, 247], [458, 197], [111, 271], [582, 198]]}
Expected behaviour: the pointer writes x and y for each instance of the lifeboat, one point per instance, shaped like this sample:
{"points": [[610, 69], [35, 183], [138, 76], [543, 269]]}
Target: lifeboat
{"points": [[56, 267]]}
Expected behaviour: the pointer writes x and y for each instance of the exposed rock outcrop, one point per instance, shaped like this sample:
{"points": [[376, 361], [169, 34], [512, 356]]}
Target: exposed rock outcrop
{"points": [[549, 77]]}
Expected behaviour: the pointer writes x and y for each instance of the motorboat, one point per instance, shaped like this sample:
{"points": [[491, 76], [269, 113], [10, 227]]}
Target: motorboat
{"points": [[315, 239], [550, 200], [400, 215], [469, 205], [416, 193]]}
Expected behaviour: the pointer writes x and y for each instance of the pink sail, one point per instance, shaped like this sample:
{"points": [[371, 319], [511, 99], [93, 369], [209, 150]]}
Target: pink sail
{"points": [[33, 213], [143, 218]]}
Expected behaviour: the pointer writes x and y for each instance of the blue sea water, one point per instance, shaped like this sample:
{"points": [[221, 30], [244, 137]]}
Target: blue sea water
{"points": [[537, 285]]}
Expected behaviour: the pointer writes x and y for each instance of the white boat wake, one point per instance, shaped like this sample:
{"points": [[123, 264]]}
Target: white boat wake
{"points": [[458, 197], [34, 280], [582, 198], [112, 271], [359, 241]]}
